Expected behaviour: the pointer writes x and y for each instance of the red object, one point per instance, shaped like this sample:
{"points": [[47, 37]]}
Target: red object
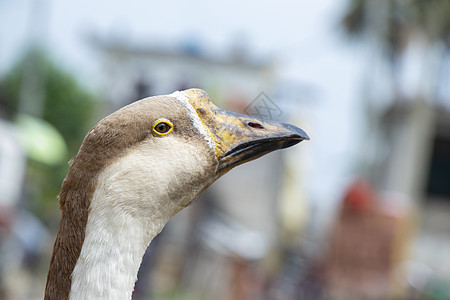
{"points": [[359, 197]]}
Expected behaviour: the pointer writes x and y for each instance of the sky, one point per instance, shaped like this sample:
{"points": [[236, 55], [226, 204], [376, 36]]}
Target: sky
{"points": [[269, 28]]}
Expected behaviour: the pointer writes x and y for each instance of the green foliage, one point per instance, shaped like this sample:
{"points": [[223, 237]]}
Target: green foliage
{"points": [[66, 105]]}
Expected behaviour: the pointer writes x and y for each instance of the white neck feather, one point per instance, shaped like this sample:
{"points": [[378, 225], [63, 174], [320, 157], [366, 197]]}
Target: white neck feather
{"points": [[110, 258], [111, 254]]}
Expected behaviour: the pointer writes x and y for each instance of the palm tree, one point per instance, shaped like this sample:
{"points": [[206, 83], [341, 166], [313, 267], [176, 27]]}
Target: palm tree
{"points": [[394, 27]]}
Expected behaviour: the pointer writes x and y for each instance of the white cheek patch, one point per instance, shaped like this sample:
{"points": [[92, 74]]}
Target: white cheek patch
{"points": [[205, 132]]}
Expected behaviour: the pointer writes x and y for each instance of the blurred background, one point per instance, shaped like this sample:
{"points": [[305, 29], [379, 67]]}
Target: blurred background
{"points": [[362, 211]]}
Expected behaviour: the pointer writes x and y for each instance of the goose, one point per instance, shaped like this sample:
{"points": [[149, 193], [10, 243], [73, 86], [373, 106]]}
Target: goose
{"points": [[137, 168]]}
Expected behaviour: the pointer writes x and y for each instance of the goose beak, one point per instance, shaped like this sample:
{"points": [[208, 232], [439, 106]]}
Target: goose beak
{"points": [[243, 138], [240, 138]]}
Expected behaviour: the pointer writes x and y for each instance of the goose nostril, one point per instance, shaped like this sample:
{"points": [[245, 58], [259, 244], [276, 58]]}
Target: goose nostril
{"points": [[255, 125]]}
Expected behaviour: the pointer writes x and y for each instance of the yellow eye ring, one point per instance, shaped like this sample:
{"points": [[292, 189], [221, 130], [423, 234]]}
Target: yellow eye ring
{"points": [[162, 126]]}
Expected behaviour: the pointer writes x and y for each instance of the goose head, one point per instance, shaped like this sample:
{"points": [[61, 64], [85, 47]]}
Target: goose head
{"points": [[163, 151]]}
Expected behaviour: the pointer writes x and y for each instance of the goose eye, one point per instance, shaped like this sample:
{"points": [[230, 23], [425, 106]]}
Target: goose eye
{"points": [[162, 127]]}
